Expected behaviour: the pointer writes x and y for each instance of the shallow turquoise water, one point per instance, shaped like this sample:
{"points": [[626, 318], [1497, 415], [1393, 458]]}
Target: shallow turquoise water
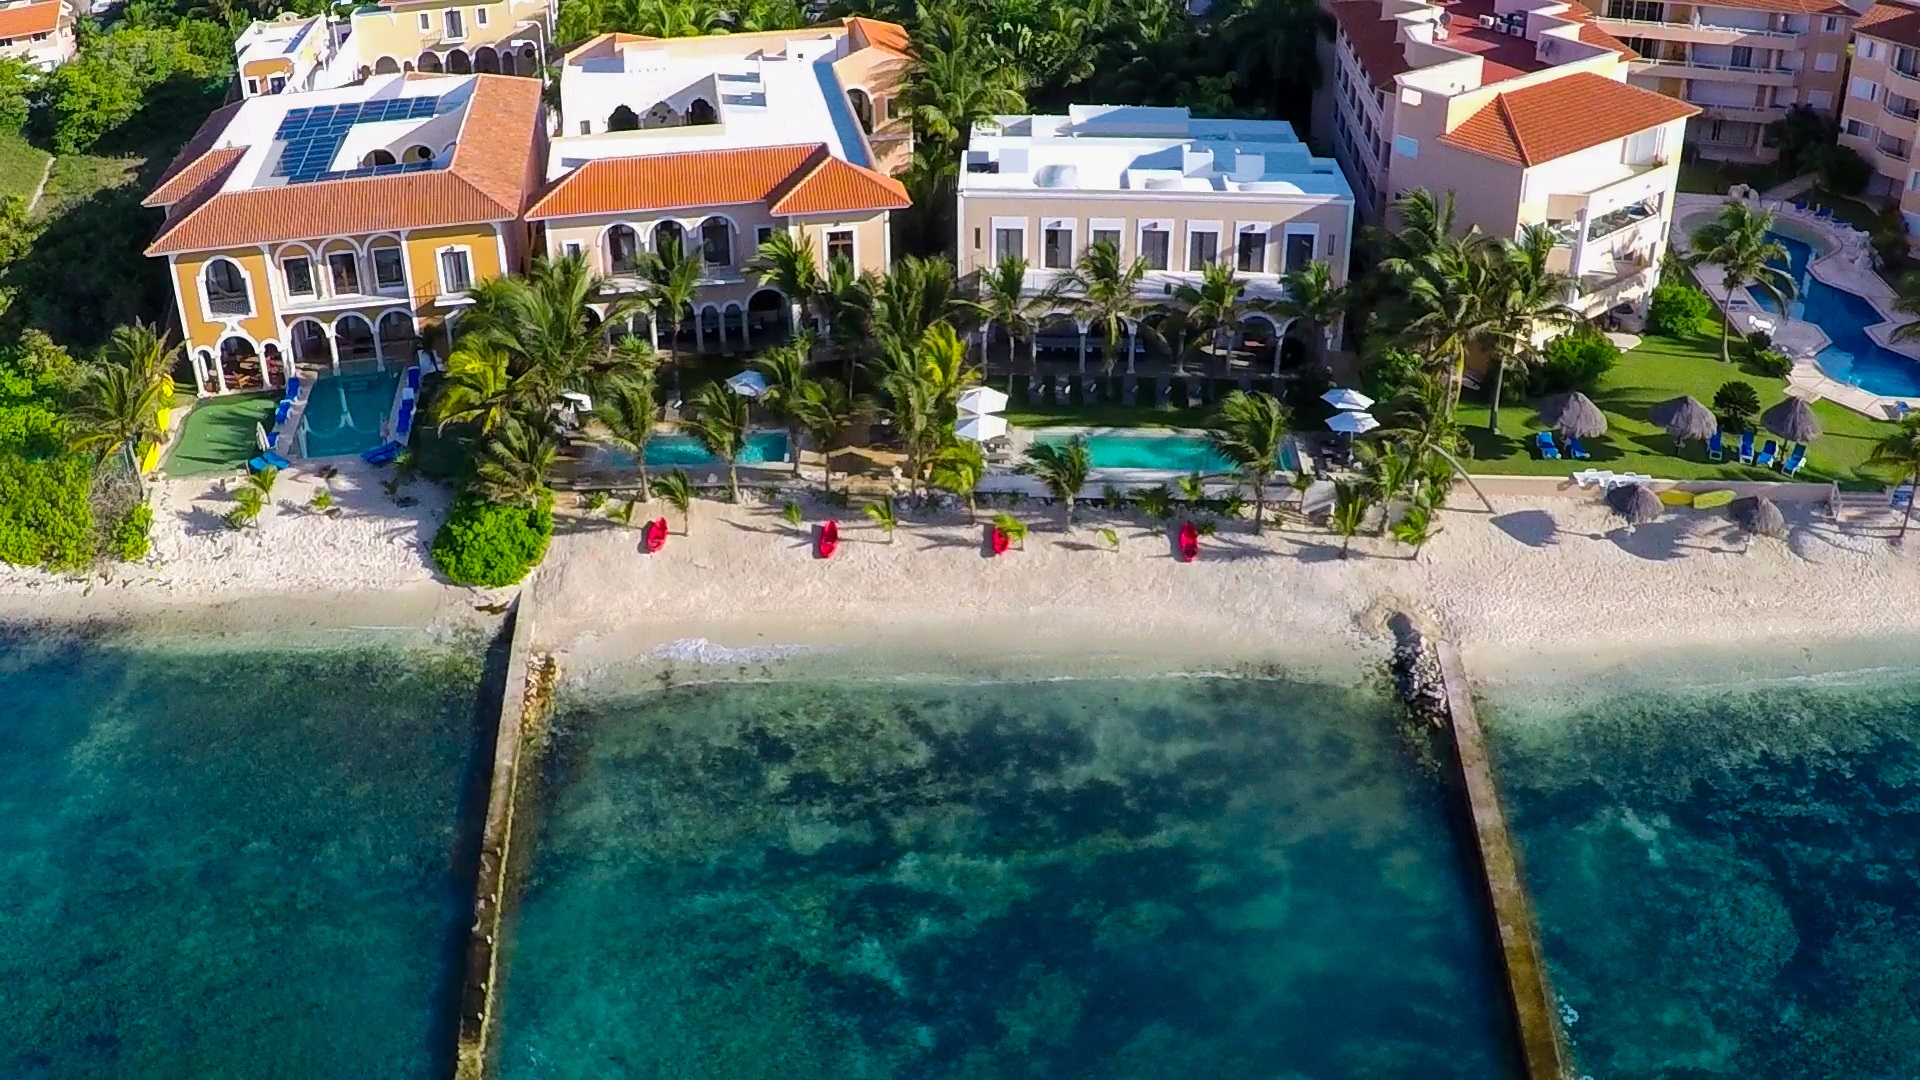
{"points": [[1728, 881], [347, 413], [231, 862], [1162, 879]]}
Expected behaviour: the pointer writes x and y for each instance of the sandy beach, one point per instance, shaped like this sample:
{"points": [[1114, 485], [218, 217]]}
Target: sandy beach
{"points": [[1543, 582]]}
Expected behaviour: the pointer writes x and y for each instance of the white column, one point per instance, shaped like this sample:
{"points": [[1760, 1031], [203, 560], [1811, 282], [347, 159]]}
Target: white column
{"points": [[220, 370], [1083, 351], [379, 353], [1579, 242], [203, 377], [1132, 337], [333, 352]]}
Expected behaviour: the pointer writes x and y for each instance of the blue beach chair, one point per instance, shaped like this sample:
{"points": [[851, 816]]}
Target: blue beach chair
{"points": [[293, 388], [280, 412], [1794, 460], [404, 424], [1767, 454], [1578, 451], [268, 460], [413, 378], [1716, 451], [1543, 442], [381, 454], [1746, 448]]}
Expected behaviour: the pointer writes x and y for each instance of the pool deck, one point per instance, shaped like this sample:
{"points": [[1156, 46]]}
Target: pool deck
{"points": [[1844, 264]]}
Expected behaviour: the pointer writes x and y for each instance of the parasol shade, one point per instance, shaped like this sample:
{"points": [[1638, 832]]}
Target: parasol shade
{"points": [[1352, 423], [1574, 414], [1635, 502], [980, 428], [1759, 516], [1343, 398], [1685, 418], [749, 384], [981, 400], [1792, 420]]}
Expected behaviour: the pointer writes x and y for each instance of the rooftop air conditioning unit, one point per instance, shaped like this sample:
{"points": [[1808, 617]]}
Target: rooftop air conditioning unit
{"points": [[1517, 29], [1439, 32], [1486, 22]]}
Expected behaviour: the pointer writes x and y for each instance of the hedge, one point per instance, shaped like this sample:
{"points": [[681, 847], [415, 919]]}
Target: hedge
{"points": [[490, 544]]}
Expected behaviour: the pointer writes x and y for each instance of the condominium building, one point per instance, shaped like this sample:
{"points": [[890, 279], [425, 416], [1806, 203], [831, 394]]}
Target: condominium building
{"points": [[1521, 110], [1179, 192], [1882, 104], [343, 228], [1744, 62], [710, 145], [38, 31], [300, 53]]}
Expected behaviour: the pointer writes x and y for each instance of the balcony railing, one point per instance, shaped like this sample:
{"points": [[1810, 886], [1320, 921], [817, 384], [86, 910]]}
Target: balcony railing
{"points": [[1745, 31], [229, 305], [1894, 147], [1911, 112]]}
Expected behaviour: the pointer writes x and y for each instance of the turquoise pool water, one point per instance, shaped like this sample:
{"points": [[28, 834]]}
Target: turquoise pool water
{"points": [[1156, 879], [1852, 356], [685, 451], [1726, 874], [232, 861], [1174, 453], [347, 413]]}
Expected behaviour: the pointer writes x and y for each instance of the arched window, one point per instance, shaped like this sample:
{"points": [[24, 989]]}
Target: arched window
{"points": [[386, 65], [623, 119], [415, 154], [862, 108], [486, 61], [353, 338], [396, 335], [430, 62], [377, 156], [458, 62], [701, 112], [623, 250], [669, 240], [716, 242], [227, 289], [310, 343]]}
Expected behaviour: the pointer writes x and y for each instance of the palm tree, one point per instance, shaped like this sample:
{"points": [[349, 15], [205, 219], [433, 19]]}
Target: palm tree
{"points": [[513, 466], [1003, 300], [957, 83], [884, 515], [1906, 301], [827, 411], [846, 298], [958, 467], [1311, 297], [785, 368], [1902, 448], [1062, 468], [677, 490], [787, 263], [479, 387], [1449, 289], [117, 407], [914, 295], [1417, 526], [627, 415], [1351, 501], [1738, 243], [142, 350], [1418, 418], [718, 418], [551, 323], [1214, 307], [1249, 431], [672, 280], [923, 385], [1105, 295], [1524, 298]]}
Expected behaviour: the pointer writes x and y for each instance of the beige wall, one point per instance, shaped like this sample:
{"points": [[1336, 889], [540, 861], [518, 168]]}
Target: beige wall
{"points": [[396, 32], [882, 77], [58, 48]]}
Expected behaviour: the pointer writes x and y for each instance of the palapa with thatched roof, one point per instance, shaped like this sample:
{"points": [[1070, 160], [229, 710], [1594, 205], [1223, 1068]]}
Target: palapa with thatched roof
{"points": [[1635, 502], [1760, 517], [1574, 415], [1685, 418], [1792, 420]]}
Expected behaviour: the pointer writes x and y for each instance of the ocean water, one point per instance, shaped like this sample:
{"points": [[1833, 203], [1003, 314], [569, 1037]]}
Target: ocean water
{"points": [[1728, 877], [222, 861], [1151, 878]]}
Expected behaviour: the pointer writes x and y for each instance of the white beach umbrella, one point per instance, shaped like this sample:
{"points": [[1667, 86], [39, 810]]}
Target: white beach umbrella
{"points": [[748, 384], [1345, 399], [1352, 423], [980, 428], [982, 400]]}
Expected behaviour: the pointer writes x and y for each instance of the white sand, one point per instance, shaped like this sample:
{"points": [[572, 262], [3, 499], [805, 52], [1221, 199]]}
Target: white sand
{"points": [[1548, 581]]}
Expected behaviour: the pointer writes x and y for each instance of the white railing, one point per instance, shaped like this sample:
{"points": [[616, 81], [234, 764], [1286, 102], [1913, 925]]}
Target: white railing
{"points": [[1745, 31], [1757, 69]]}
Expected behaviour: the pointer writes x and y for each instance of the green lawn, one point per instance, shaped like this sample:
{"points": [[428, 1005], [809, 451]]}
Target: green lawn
{"points": [[1715, 177], [1659, 370], [20, 166], [1852, 211], [219, 437]]}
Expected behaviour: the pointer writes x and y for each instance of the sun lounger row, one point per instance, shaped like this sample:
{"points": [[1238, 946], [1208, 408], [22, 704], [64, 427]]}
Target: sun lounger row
{"points": [[267, 460], [1768, 456], [1164, 390], [1549, 450]]}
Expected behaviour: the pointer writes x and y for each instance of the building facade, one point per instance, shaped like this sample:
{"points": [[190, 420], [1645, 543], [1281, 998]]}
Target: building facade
{"points": [[710, 145], [41, 32], [1159, 185], [300, 53], [342, 229], [1523, 112], [1881, 107], [1743, 62]]}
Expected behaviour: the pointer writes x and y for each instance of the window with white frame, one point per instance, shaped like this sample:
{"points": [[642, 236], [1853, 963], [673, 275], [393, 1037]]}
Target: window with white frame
{"points": [[716, 242], [479, 16], [1863, 89], [573, 249], [426, 21], [1869, 49], [297, 270], [253, 85], [389, 270], [1105, 231], [343, 273], [1250, 251], [1009, 241], [839, 245], [1156, 245], [226, 289], [456, 272], [1830, 24], [456, 25], [1296, 250], [1203, 247], [1056, 245], [1642, 147], [1826, 61], [1860, 130]]}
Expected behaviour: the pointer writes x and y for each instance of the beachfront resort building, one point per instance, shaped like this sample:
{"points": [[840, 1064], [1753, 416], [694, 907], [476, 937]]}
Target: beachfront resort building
{"points": [[1522, 110], [708, 146], [1743, 62], [295, 53], [1882, 104], [40, 32], [340, 229], [1158, 184]]}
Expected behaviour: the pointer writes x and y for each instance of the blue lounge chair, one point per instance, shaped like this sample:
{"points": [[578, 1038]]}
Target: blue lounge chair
{"points": [[1063, 389], [1794, 460], [381, 454], [1746, 448], [280, 412], [1799, 204], [293, 388], [1090, 388], [413, 377], [1034, 391], [1579, 452], [1716, 451], [1194, 395], [1902, 496], [405, 423], [1543, 442], [1767, 454], [267, 460], [1163, 387]]}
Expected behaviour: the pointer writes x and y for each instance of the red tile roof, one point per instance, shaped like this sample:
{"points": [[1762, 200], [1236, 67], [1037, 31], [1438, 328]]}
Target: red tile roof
{"points": [[1790, 7], [885, 36], [29, 19], [196, 160], [489, 179], [1891, 22], [1504, 56], [797, 179], [1550, 120]]}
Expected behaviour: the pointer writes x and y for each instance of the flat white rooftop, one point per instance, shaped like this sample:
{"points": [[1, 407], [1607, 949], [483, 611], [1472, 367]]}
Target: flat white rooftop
{"points": [[318, 135], [1129, 148], [772, 90], [266, 40]]}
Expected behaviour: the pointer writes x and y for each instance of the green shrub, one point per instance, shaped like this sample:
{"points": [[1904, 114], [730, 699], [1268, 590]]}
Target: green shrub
{"points": [[1771, 363], [132, 535], [1677, 310], [45, 519], [1734, 404], [1574, 361], [489, 544], [1387, 372], [1842, 170]]}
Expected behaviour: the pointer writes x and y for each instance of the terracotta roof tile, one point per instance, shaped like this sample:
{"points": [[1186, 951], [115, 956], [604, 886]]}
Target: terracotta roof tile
{"points": [[1790, 7], [1891, 22], [488, 180], [695, 178], [834, 186], [1550, 120], [1383, 57], [28, 19], [187, 169], [885, 36]]}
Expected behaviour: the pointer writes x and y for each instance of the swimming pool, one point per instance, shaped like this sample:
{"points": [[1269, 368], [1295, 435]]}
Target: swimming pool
{"points": [[763, 447], [1851, 357], [347, 414], [1170, 453]]}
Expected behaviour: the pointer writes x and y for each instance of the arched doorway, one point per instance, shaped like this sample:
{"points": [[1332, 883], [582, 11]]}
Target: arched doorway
{"points": [[701, 111], [486, 61], [377, 156], [767, 319], [396, 337], [623, 250], [1056, 340], [862, 108], [733, 326], [240, 365], [669, 240], [429, 62], [623, 119], [203, 372], [275, 368], [310, 344], [458, 63], [1259, 342], [353, 341], [509, 65], [710, 329], [1297, 346], [386, 65], [716, 242]]}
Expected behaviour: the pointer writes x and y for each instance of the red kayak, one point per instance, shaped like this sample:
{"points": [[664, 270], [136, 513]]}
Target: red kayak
{"points": [[656, 534], [999, 541], [1189, 542], [829, 539]]}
